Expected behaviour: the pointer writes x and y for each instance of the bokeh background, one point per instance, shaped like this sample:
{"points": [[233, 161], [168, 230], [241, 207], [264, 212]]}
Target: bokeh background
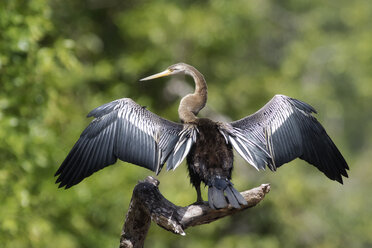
{"points": [[61, 58]]}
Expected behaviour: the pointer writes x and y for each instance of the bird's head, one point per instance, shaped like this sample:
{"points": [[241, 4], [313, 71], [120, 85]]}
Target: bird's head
{"points": [[171, 70]]}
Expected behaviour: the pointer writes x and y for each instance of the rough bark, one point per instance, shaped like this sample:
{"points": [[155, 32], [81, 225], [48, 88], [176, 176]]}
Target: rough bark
{"points": [[149, 204]]}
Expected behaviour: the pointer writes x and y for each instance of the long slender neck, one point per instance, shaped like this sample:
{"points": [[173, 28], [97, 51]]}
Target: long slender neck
{"points": [[191, 104]]}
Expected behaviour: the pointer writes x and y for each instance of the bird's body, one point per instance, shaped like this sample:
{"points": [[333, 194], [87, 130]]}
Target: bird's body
{"points": [[210, 156], [210, 161], [281, 131]]}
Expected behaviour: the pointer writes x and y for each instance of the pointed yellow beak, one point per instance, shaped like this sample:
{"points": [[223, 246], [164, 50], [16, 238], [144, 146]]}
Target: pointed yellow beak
{"points": [[158, 75]]}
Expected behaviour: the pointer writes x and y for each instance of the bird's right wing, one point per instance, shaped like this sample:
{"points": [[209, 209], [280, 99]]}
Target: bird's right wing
{"points": [[286, 129], [125, 130]]}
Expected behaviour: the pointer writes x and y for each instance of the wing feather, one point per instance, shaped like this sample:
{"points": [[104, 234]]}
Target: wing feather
{"points": [[286, 129], [125, 130], [182, 147]]}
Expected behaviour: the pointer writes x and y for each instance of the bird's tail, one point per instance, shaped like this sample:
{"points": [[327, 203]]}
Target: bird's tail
{"points": [[221, 193]]}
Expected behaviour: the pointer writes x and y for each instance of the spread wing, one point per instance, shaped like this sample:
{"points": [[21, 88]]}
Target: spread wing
{"points": [[286, 129], [125, 130]]}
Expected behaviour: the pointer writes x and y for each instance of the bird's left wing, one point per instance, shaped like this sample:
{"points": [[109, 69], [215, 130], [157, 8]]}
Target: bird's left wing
{"points": [[125, 130], [286, 129]]}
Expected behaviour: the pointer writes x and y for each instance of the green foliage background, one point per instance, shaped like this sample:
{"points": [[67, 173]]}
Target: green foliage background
{"points": [[60, 59]]}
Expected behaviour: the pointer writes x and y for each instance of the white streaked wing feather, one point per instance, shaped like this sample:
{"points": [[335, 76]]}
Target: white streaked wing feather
{"points": [[125, 130], [285, 128]]}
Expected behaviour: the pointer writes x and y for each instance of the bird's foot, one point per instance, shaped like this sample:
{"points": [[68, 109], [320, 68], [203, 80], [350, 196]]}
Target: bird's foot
{"points": [[200, 202]]}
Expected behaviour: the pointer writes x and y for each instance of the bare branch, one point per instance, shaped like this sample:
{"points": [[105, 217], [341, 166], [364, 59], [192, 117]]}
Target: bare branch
{"points": [[149, 204]]}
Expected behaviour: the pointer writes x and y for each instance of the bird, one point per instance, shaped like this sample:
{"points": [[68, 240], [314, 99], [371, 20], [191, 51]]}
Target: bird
{"points": [[282, 130]]}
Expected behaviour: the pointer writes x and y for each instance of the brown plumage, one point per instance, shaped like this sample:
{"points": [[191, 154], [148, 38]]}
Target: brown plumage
{"points": [[210, 161], [191, 104]]}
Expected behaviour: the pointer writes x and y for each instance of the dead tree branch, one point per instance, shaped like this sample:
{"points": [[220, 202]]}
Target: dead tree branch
{"points": [[149, 204]]}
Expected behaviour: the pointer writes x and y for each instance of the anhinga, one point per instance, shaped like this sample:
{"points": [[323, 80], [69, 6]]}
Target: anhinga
{"points": [[281, 131]]}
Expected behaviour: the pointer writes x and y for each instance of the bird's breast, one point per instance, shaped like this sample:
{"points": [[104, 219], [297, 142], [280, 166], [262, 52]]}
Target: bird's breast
{"points": [[210, 153]]}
